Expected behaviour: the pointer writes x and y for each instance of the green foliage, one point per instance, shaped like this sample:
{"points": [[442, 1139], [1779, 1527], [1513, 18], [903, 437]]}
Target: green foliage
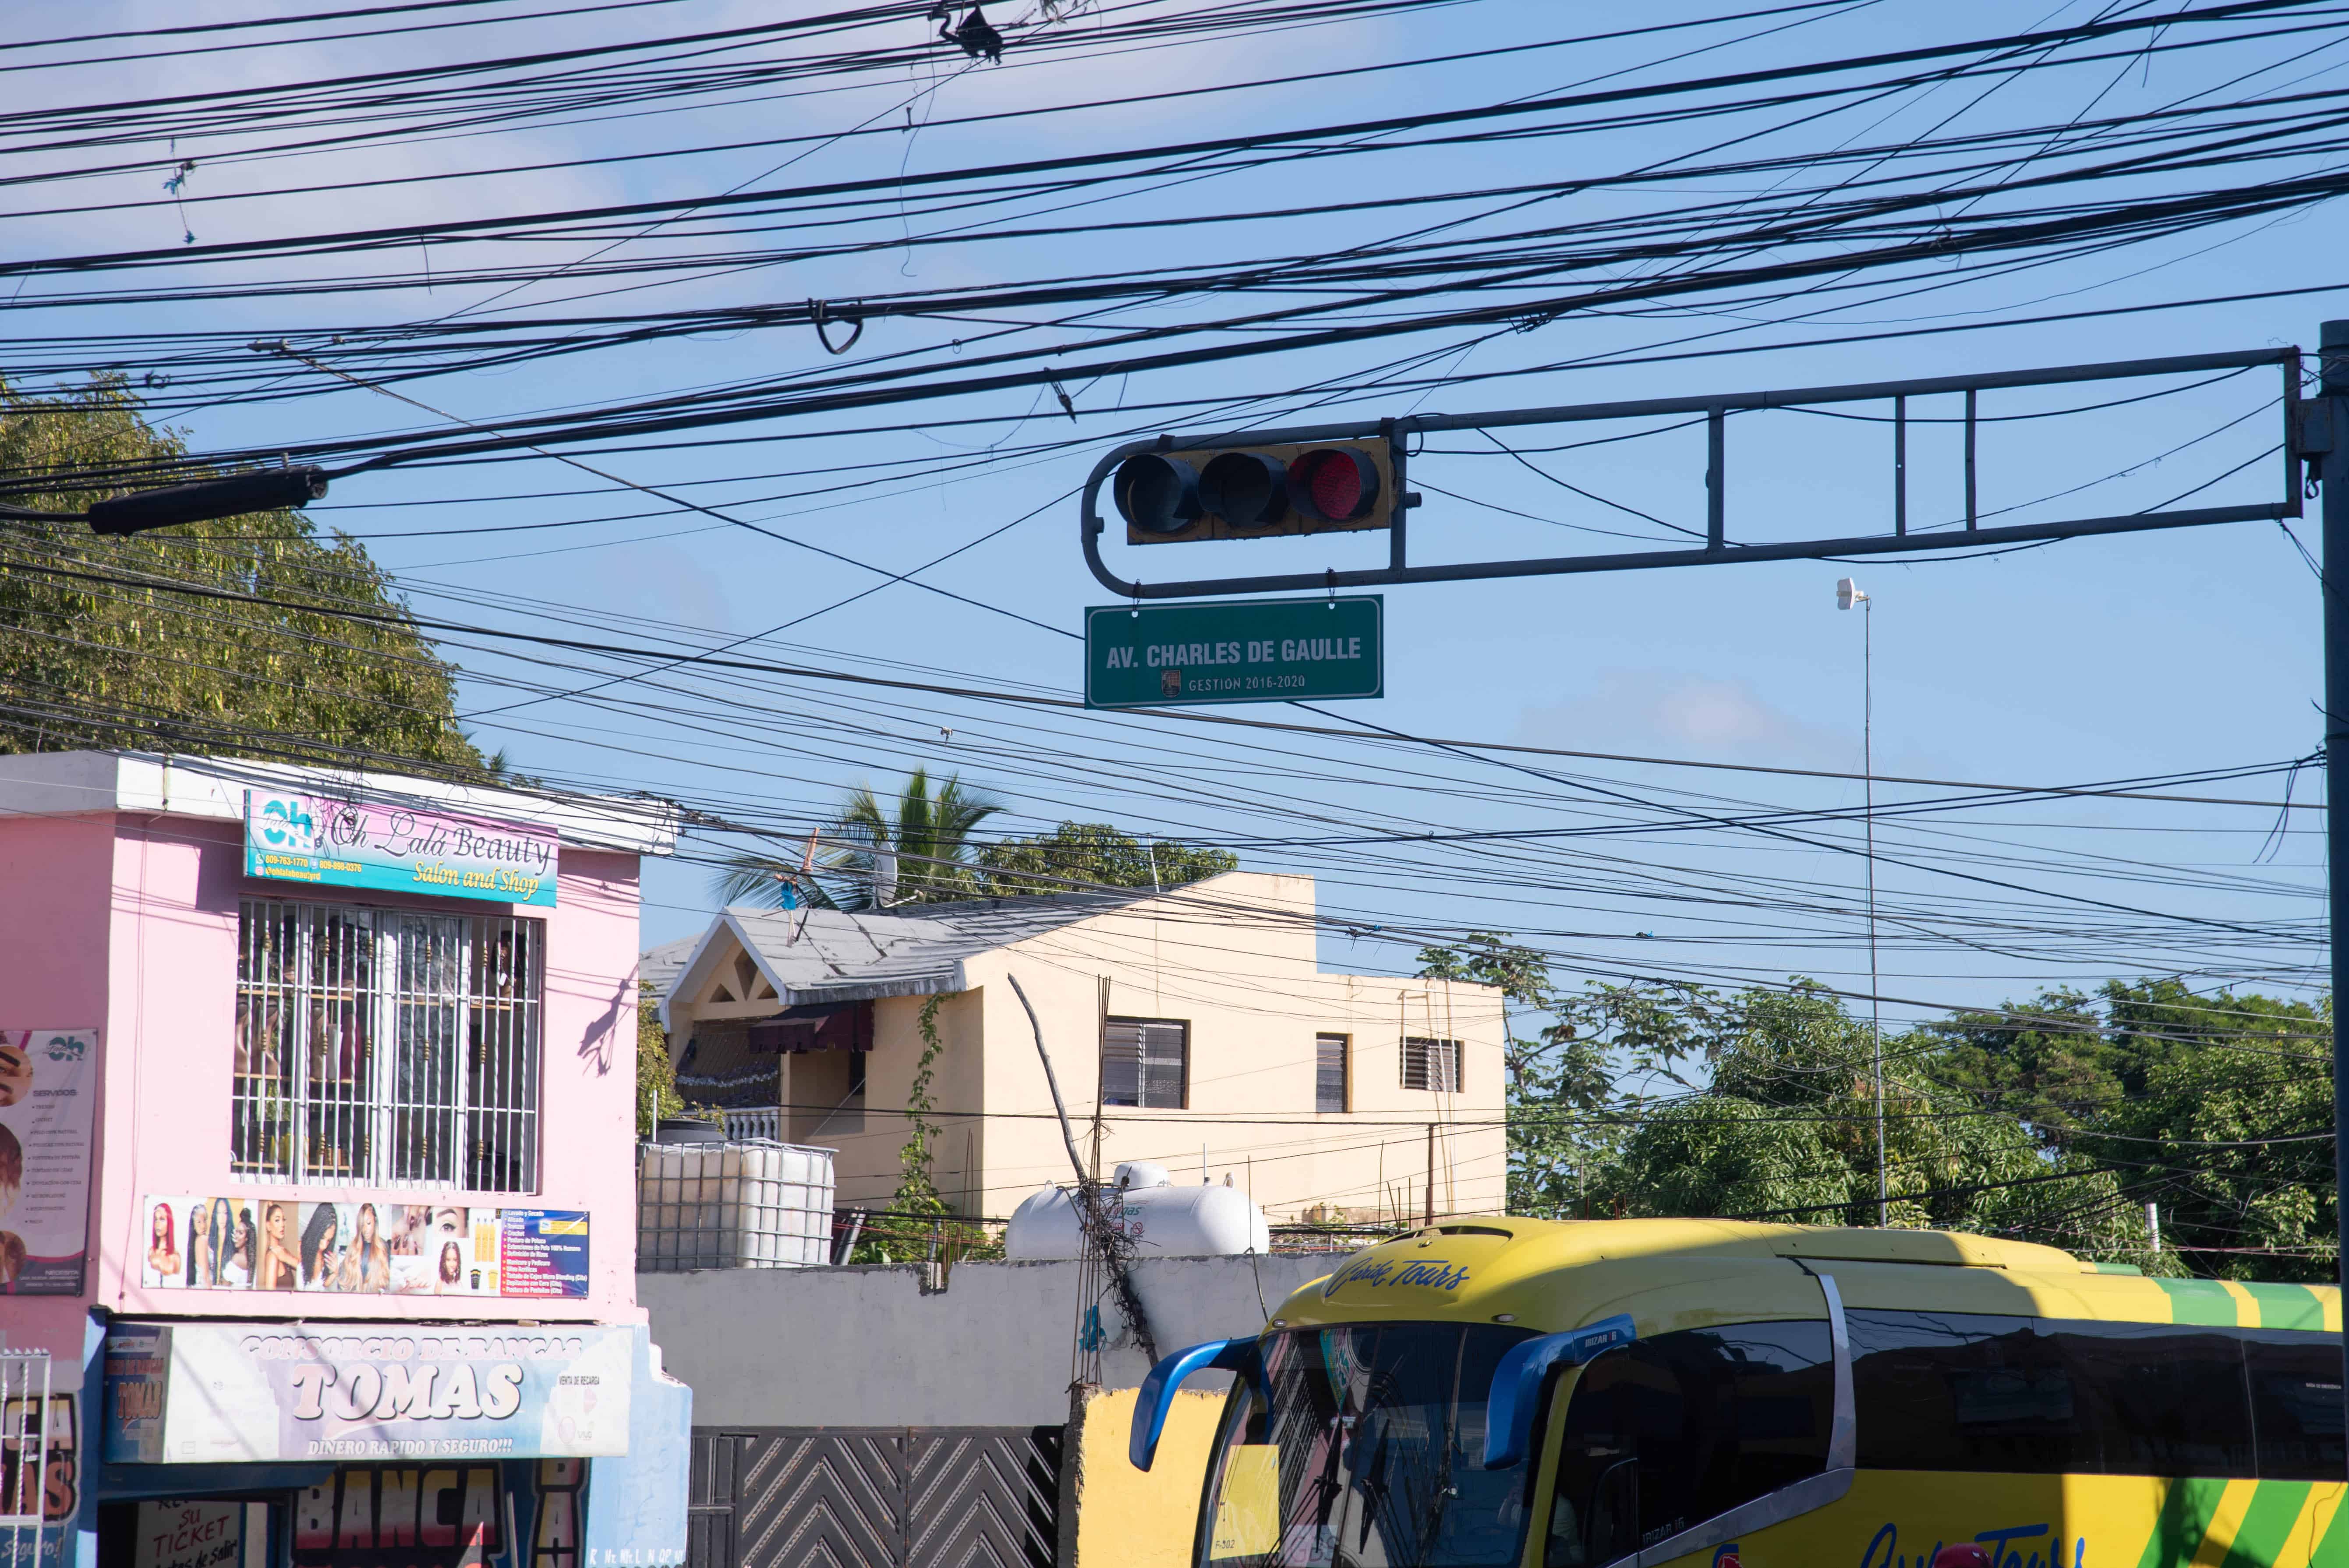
{"points": [[1722, 1155], [920, 1224], [2219, 1108], [656, 1092], [1560, 1091], [105, 664], [928, 832], [1096, 852], [2054, 1122]]}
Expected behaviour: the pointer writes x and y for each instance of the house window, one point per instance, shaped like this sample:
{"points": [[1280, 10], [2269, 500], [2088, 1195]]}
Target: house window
{"points": [[1146, 1062], [1329, 1073], [387, 1047], [1432, 1065]]}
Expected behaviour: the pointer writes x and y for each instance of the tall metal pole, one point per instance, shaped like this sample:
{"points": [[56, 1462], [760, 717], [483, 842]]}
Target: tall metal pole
{"points": [[2334, 407], [1874, 990]]}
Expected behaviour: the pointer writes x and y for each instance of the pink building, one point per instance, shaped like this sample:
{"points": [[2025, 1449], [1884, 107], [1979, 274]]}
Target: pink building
{"points": [[317, 1185]]}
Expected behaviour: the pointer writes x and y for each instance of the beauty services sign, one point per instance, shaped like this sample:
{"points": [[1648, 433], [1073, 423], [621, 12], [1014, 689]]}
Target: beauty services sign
{"points": [[324, 840], [248, 1393]]}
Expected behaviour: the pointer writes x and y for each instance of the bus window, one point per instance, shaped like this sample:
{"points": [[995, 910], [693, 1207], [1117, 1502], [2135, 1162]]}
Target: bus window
{"points": [[1670, 1431], [2296, 1402], [1367, 1454], [1956, 1391]]}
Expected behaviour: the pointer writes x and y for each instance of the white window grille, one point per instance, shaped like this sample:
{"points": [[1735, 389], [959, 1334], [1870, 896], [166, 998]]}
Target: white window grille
{"points": [[1431, 1064], [387, 1047], [1330, 1074], [27, 1410], [1146, 1062]]}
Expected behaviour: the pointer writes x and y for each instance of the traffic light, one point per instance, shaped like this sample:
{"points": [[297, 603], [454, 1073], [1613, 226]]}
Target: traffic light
{"points": [[1179, 495]]}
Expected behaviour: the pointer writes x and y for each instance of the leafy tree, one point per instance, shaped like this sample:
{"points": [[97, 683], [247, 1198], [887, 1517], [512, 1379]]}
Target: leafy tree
{"points": [[1785, 1128], [2054, 1122], [93, 661], [1561, 1089], [2217, 1108], [928, 833], [1098, 853]]}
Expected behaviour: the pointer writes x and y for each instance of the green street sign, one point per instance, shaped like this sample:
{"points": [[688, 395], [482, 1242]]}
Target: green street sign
{"points": [[1253, 650]]}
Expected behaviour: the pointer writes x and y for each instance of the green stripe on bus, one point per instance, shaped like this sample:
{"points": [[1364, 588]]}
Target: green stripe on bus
{"points": [[2266, 1530], [2332, 1551], [2287, 1306], [2202, 1302], [2184, 1520]]}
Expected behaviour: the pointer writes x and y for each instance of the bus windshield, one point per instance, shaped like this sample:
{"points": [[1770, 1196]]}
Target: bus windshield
{"points": [[1368, 1453]]}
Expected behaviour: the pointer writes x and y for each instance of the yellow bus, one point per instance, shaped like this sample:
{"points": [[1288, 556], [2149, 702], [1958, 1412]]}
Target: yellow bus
{"points": [[1500, 1393]]}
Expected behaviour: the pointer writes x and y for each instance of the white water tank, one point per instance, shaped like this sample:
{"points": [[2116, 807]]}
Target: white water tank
{"points": [[750, 1205], [1165, 1220]]}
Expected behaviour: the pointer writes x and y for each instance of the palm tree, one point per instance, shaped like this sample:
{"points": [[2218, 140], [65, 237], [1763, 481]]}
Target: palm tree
{"points": [[917, 850]]}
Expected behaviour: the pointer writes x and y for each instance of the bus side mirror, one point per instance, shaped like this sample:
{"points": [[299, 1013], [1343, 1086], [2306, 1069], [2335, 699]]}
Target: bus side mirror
{"points": [[1158, 1389], [1517, 1382]]}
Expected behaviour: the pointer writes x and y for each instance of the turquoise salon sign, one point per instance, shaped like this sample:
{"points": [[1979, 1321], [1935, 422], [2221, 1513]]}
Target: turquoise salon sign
{"points": [[338, 843]]}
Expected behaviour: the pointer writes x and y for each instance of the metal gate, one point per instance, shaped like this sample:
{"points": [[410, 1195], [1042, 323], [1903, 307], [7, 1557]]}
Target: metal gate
{"points": [[886, 1496]]}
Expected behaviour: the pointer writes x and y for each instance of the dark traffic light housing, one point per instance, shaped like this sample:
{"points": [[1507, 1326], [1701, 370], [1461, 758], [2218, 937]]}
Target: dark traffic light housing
{"points": [[1261, 491]]}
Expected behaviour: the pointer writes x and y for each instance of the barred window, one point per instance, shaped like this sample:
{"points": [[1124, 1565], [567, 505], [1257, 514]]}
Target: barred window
{"points": [[1330, 1074], [1431, 1064], [1146, 1062], [387, 1047]]}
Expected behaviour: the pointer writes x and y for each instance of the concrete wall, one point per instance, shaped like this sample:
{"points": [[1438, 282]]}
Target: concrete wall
{"points": [[867, 1348]]}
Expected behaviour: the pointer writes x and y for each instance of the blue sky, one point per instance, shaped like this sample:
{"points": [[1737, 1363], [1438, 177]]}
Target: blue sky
{"points": [[2091, 661]]}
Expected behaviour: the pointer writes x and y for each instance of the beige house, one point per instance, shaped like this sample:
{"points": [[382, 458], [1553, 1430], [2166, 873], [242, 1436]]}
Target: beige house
{"points": [[1191, 1028]]}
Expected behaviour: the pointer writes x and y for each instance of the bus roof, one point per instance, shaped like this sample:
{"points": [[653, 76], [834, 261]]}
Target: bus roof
{"points": [[1552, 1275]]}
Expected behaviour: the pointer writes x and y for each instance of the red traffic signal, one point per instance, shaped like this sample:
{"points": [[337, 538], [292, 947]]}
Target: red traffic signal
{"points": [[1334, 484], [1255, 492]]}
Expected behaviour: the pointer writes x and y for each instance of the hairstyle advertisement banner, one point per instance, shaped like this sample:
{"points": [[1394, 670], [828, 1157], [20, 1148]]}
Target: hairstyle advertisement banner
{"points": [[331, 842], [249, 1393], [367, 1247], [48, 1100]]}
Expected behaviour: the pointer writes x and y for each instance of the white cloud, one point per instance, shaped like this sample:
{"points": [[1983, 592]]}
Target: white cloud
{"points": [[1679, 713]]}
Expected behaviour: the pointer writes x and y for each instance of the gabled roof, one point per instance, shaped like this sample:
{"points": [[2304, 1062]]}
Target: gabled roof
{"points": [[659, 967], [831, 955]]}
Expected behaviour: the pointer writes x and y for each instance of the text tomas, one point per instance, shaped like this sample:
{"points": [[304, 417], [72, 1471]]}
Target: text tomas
{"points": [[361, 1392], [402, 1515]]}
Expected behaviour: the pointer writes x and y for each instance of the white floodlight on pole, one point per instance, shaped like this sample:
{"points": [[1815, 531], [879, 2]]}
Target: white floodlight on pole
{"points": [[1848, 593]]}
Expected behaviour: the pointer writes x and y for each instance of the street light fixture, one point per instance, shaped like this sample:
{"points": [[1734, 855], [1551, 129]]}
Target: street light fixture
{"points": [[200, 501], [1848, 593]]}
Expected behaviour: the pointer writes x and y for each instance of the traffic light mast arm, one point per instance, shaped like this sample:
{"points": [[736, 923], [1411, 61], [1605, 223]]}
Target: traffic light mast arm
{"points": [[1714, 550]]}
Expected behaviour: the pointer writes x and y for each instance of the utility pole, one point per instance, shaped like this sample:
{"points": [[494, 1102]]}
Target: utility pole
{"points": [[1848, 593], [1431, 1173], [2334, 465], [1867, 767]]}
